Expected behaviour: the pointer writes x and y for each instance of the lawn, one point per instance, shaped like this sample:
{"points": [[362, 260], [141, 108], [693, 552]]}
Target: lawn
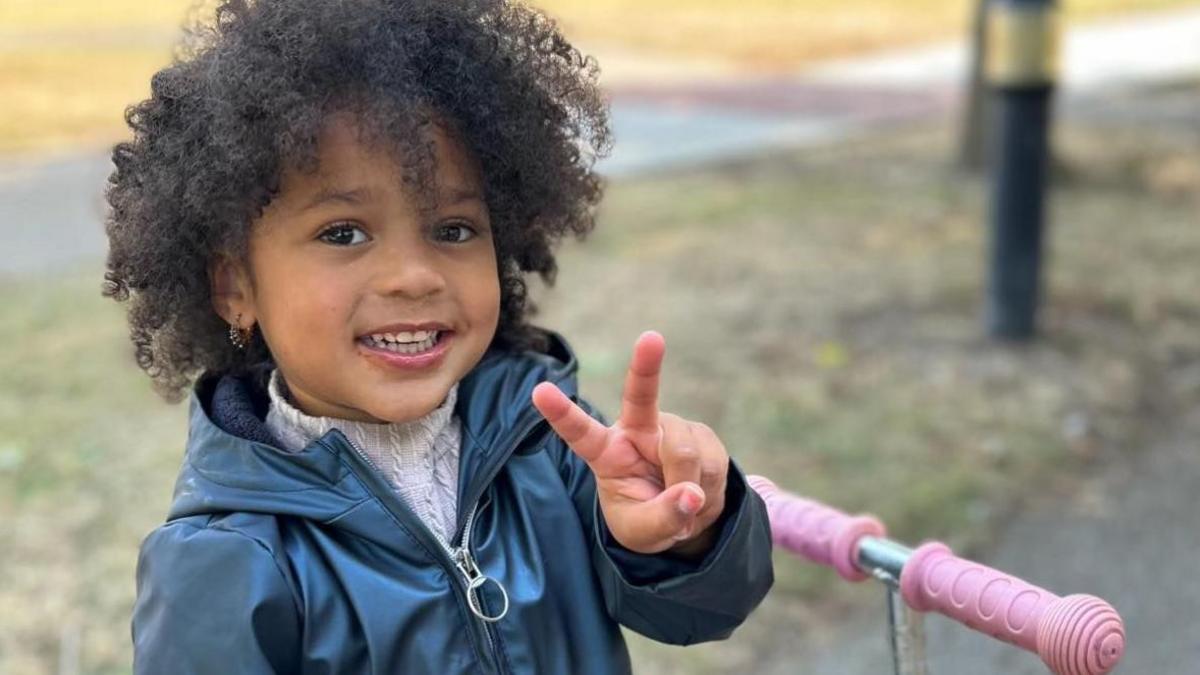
{"points": [[821, 310], [69, 68]]}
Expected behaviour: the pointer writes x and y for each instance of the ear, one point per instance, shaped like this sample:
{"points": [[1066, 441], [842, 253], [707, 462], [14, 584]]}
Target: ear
{"points": [[231, 291]]}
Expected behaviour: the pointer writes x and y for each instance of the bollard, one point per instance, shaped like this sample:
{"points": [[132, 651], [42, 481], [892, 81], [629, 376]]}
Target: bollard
{"points": [[1022, 67]]}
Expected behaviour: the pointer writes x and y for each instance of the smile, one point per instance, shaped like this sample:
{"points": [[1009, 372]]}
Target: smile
{"points": [[406, 342], [414, 350]]}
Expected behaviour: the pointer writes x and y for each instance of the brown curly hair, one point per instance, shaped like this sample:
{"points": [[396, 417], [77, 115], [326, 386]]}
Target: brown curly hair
{"points": [[247, 96]]}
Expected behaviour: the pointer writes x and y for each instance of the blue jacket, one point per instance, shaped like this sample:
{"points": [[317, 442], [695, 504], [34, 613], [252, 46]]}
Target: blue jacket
{"points": [[272, 562]]}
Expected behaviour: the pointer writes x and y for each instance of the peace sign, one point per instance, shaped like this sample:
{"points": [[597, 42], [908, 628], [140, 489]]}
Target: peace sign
{"points": [[660, 479]]}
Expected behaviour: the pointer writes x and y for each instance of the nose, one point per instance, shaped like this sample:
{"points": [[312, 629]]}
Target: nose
{"points": [[411, 269]]}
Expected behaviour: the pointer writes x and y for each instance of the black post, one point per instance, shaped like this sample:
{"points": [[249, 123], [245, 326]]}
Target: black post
{"points": [[1023, 46]]}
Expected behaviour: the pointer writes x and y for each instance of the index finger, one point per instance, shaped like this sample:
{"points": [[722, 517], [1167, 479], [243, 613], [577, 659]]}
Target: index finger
{"points": [[639, 402], [583, 433]]}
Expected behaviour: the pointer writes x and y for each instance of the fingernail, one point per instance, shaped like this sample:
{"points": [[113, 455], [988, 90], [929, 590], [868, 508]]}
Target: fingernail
{"points": [[691, 500]]}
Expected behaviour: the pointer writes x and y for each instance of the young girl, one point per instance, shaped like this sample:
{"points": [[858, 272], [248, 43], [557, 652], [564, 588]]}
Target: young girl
{"points": [[322, 227]]}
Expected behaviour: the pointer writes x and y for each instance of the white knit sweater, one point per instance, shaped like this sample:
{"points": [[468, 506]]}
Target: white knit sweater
{"points": [[419, 458]]}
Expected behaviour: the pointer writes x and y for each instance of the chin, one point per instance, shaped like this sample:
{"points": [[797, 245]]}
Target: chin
{"points": [[406, 412]]}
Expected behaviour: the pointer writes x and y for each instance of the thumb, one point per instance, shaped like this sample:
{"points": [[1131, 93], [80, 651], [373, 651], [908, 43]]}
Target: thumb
{"points": [[665, 520]]}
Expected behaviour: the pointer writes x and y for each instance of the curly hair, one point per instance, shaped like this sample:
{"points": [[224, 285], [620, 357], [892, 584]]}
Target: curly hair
{"points": [[246, 97]]}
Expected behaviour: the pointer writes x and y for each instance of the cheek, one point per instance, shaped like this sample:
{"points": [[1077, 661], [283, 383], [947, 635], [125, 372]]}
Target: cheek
{"points": [[494, 306], [490, 295], [480, 294], [306, 311], [484, 304]]}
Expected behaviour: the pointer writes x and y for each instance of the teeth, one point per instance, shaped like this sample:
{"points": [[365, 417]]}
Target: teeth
{"points": [[405, 342], [405, 336]]}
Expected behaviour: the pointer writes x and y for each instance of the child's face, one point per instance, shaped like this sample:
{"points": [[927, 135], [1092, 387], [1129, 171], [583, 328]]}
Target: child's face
{"points": [[347, 253]]}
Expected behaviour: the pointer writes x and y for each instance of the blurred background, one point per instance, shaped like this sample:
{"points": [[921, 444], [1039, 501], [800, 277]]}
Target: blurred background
{"points": [[804, 199]]}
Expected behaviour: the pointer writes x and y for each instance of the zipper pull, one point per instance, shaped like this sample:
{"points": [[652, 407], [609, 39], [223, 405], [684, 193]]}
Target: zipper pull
{"points": [[476, 580]]}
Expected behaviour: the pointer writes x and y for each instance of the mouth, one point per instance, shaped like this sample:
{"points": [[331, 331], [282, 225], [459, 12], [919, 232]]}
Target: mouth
{"points": [[407, 347], [405, 341]]}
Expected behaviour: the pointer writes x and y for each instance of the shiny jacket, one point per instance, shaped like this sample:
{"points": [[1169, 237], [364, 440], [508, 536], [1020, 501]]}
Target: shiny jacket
{"points": [[308, 562]]}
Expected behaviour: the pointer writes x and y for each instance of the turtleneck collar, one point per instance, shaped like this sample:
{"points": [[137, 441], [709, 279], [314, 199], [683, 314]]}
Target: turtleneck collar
{"points": [[297, 429], [418, 458]]}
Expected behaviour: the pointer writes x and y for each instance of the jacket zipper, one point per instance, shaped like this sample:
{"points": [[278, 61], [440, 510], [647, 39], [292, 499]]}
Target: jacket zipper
{"points": [[463, 561], [494, 468]]}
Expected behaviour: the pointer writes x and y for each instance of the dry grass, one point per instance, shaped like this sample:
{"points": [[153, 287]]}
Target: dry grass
{"points": [[80, 16], [68, 69], [71, 96]]}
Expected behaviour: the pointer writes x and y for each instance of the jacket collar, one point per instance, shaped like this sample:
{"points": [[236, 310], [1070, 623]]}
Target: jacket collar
{"points": [[233, 463]]}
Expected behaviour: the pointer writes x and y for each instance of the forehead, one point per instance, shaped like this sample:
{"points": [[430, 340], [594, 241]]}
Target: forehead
{"points": [[349, 157]]}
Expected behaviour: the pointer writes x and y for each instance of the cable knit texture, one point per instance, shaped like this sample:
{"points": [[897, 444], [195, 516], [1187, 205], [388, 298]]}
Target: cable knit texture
{"points": [[419, 458]]}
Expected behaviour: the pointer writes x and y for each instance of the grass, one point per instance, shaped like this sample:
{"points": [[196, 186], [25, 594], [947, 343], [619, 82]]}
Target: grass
{"points": [[68, 69], [85, 459], [821, 312]]}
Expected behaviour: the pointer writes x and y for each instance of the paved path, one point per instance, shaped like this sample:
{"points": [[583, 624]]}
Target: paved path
{"points": [[50, 211]]}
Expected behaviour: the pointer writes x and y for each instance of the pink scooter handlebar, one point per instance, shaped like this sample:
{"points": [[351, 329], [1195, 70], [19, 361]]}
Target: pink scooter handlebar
{"points": [[1074, 635], [815, 531]]}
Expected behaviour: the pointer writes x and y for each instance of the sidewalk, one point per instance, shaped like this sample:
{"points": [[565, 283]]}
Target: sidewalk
{"points": [[51, 212]]}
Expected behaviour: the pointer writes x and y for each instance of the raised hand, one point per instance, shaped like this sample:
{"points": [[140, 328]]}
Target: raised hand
{"points": [[660, 479]]}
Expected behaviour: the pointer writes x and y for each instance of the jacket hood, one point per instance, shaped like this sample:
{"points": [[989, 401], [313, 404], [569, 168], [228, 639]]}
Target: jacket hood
{"points": [[233, 463]]}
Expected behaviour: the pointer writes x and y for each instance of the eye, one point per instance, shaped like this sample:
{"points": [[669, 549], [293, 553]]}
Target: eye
{"points": [[343, 234], [455, 233]]}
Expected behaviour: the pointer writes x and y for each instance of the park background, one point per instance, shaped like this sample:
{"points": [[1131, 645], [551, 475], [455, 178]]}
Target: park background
{"points": [[788, 206]]}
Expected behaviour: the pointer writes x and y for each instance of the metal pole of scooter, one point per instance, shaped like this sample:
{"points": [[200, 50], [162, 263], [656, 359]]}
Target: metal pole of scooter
{"points": [[1022, 65], [884, 559]]}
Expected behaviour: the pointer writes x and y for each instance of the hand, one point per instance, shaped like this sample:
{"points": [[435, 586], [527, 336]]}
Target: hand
{"points": [[660, 479]]}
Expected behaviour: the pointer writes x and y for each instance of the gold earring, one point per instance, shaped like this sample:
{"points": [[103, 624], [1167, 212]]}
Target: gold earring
{"points": [[240, 337]]}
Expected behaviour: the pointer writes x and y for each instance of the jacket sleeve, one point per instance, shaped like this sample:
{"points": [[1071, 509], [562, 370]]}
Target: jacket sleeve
{"points": [[667, 598], [212, 601]]}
